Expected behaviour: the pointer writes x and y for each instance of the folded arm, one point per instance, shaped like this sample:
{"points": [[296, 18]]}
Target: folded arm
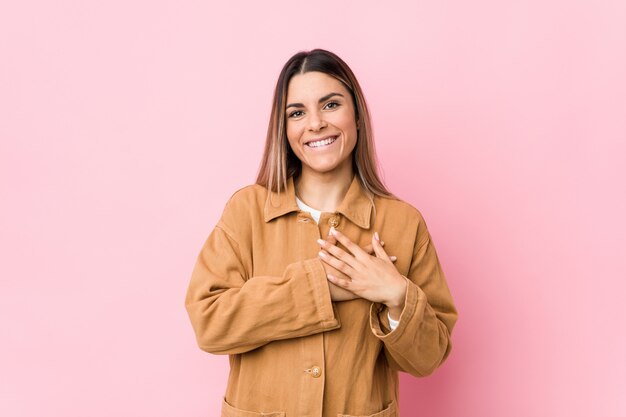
{"points": [[232, 312]]}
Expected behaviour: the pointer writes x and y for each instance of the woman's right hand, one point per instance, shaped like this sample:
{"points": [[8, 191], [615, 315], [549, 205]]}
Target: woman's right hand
{"points": [[337, 293]]}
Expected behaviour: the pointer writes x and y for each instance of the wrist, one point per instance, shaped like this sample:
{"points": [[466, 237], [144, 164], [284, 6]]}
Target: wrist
{"points": [[396, 303]]}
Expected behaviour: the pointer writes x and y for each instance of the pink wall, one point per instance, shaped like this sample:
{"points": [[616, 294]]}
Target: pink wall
{"points": [[125, 126]]}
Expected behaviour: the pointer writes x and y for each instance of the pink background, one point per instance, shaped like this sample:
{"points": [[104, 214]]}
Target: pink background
{"points": [[126, 125]]}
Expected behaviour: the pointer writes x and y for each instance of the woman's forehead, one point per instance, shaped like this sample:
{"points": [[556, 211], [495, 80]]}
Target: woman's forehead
{"points": [[312, 86]]}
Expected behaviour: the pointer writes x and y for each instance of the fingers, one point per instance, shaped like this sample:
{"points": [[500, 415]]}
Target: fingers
{"points": [[331, 239], [378, 249], [351, 246], [370, 249], [335, 256], [343, 283]]}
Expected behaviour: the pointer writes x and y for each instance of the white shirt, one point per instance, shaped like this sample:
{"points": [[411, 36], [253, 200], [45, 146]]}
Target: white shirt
{"points": [[316, 216]]}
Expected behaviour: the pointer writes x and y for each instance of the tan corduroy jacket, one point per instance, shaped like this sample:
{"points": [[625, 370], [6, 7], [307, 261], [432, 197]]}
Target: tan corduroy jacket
{"points": [[258, 293]]}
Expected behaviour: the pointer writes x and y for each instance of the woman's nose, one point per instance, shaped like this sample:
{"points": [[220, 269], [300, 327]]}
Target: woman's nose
{"points": [[316, 121]]}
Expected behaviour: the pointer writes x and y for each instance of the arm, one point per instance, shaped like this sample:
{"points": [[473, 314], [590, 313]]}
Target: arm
{"points": [[233, 313], [421, 342], [420, 301]]}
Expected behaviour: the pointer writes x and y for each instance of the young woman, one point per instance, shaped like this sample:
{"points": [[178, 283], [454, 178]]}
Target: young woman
{"points": [[295, 283]]}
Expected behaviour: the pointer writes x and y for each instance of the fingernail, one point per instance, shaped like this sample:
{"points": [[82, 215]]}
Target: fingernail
{"points": [[322, 254], [333, 231], [330, 277], [393, 258], [321, 241], [376, 236], [382, 242]]}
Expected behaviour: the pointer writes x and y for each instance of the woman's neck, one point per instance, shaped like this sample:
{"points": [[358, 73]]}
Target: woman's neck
{"points": [[323, 191]]}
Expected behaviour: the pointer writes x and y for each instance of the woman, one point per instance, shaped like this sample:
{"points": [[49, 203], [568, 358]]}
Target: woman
{"points": [[294, 283]]}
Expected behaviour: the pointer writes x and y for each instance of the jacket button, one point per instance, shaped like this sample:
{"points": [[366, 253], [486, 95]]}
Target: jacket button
{"points": [[333, 221], [316, 372]]}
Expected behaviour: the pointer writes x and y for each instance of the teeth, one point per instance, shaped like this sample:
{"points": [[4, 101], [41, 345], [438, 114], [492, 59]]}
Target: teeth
{"points": [[324, 142]]}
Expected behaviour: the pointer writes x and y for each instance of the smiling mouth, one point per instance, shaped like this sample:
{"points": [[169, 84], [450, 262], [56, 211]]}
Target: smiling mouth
{"points": [[322, 142]]}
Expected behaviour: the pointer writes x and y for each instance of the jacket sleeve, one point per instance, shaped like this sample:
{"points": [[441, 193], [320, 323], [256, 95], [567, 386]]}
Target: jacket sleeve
{"points": [[233, 313], [421, 342]]}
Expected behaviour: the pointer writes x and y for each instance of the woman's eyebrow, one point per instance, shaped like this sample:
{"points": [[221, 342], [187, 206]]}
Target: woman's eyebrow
{"points": [[326, 97]]}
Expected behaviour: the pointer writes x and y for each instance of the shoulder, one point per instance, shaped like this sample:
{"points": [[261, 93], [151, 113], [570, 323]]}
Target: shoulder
{"points": [[399, 207], [245, 205], [400, 214], [247, 197]]}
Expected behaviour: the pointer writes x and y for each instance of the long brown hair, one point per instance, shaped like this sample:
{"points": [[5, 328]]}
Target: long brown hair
{"points": [[280, 162]]}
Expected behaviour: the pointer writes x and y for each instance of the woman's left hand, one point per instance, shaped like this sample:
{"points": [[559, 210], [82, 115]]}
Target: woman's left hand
{"points": [[374, 278]]}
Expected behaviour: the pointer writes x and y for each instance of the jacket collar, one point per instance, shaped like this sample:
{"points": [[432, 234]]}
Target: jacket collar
{"points": [[355, 205]]}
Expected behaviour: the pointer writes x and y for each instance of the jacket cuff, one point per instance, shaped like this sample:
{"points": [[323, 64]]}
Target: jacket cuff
{"points": [[321, 293], [414, 298]]}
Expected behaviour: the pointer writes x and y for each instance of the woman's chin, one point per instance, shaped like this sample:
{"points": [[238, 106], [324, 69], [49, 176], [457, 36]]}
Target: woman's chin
{"points": [[326, 167]]}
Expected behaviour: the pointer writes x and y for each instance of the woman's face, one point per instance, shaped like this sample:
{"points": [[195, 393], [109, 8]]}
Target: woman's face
{"points": [[321, 124]]}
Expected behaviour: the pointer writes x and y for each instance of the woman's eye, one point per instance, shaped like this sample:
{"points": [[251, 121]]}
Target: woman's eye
{"points": [[296, 113], [332, 105]]}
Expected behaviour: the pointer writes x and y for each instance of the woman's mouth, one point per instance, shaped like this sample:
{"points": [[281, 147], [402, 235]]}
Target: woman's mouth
{"points": [[322, 142]]}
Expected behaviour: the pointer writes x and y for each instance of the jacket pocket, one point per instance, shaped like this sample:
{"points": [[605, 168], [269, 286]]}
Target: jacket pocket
{"points": [[230, 411], [390, 411]]}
